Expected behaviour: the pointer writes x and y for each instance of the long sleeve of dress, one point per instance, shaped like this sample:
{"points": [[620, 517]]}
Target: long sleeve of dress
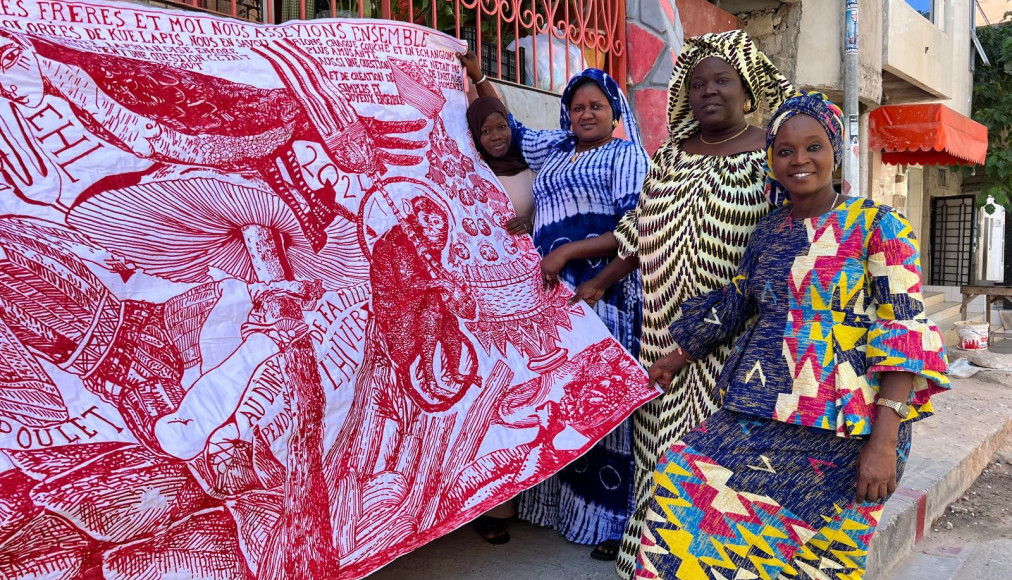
{"points": [[902, 338], [627, 182], [711, 319], [537, 145], [627, 231], [630, 169]]}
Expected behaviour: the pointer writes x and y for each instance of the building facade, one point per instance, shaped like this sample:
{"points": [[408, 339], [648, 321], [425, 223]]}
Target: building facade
{"points": [[914, 55]]}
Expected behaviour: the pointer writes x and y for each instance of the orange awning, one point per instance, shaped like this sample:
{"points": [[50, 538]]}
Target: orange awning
{"points": [[926, 134]]}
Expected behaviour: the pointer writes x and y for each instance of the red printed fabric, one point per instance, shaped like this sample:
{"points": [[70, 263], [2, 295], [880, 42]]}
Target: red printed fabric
{"points": [[259, 317]]}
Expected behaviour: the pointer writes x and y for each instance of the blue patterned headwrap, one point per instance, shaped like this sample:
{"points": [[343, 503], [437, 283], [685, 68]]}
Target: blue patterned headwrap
{"points": [[619, 105], [817, 106]]}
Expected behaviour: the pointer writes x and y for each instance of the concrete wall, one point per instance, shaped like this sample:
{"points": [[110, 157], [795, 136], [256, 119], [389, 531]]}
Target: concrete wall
{"points": [[958, 29], [918, 51], [821, 35], [871, 39], [775, 30], [535, 109]]}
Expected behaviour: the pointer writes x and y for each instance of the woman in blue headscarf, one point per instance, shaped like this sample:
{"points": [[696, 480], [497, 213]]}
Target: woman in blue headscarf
{"points": [[587, 180], [835, 359]]}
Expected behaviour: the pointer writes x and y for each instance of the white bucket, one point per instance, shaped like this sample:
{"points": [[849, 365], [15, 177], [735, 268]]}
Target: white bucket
{"points": [[972, 335]]}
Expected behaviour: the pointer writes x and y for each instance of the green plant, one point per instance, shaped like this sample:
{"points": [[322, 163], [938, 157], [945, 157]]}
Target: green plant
{"points": [[992, 106], [421, 13]]}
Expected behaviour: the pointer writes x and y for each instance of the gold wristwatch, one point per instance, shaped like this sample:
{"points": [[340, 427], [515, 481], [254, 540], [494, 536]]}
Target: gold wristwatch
{"points": [[902, 409]]}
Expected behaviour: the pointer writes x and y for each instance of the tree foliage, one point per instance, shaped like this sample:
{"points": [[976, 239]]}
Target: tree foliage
{"points": [[992, 106]]}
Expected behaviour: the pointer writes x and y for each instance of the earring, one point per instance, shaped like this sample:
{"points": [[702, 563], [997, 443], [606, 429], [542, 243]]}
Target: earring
{"points": [[614, 123], [748, 108]]}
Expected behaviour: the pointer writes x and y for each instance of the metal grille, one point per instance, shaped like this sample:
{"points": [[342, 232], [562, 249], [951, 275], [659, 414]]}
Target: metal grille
{"points": [[953, 221], [572, 32]]}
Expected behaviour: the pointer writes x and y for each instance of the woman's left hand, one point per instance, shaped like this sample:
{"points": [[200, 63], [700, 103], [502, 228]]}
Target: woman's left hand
{"points": [[876, 471], [551, 265], [471, 64]]}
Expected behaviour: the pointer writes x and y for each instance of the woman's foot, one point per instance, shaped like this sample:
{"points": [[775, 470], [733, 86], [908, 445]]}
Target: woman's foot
{"points": [[606, 551], [492, 529]]}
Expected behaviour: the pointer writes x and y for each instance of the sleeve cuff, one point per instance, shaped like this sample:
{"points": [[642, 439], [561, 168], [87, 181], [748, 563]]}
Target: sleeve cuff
{"points": [[913, 346]]}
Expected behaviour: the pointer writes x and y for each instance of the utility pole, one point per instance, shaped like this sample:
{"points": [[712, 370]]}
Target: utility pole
{"points": [[851, 113]]}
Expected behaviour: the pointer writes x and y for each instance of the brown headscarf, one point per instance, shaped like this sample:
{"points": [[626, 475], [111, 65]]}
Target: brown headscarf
{"points": [[511, 163]]}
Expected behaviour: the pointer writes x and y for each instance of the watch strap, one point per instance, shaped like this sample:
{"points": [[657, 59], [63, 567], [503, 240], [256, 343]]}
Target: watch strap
{"points": [[894, 405]]}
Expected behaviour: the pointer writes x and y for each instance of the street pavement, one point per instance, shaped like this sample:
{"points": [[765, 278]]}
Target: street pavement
{"points": [[949, 451]]}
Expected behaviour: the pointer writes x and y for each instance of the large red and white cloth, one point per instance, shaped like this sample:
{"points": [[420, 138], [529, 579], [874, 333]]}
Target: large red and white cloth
{"points": [[259, 317]]}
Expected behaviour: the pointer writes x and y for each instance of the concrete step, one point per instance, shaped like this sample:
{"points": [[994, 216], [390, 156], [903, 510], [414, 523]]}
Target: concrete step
{"points": [[932, 298], [942, 310]]}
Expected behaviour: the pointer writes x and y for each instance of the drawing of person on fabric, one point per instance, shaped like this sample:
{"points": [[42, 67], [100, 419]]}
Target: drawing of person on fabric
{"points": [[587, 179], [418, 306], [179, 373], [819, 392]]}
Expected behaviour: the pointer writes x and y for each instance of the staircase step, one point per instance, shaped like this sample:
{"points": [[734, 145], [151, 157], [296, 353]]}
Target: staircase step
{"points": [[942, 310], [933, 298]]}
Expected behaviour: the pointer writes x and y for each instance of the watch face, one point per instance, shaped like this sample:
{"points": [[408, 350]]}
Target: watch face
{"points": [[904, 410]]}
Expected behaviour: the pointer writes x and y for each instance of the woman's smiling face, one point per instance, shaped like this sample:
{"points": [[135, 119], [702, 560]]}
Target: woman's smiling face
{"points": [[495, 135], [803, 157]]}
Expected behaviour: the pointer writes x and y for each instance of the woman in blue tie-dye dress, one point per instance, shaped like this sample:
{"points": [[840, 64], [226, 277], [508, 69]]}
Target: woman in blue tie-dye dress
{"points": [[587, 180]]}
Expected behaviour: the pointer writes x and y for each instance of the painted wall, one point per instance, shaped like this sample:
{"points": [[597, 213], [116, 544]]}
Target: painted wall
{"points": [[995, 11]]}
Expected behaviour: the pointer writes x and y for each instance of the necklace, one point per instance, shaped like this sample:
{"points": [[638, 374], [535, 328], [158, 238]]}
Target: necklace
{"points": [[731, 138], [577, 152]]}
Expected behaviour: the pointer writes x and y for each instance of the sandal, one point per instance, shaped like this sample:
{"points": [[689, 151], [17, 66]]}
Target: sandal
{"points": [[493, 530], [606, 551]]}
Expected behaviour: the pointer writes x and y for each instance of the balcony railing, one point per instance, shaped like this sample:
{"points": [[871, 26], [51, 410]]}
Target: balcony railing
{"points": [[539, 43]]}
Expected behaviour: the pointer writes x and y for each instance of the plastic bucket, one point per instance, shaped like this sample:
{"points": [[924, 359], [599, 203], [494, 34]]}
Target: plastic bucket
{"points": [[972, 335]]}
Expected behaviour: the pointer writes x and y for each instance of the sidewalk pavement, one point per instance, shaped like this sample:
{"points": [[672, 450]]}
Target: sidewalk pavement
{"points": [[980, 561], [949, 451]]}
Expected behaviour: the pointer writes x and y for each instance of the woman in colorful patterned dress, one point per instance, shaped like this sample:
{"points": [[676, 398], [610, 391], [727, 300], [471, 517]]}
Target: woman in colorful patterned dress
{"points": [[587, 180], [789, 479], [701, 201]]}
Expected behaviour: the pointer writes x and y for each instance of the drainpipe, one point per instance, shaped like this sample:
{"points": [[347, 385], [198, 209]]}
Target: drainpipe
{"points": [[851, 114]]}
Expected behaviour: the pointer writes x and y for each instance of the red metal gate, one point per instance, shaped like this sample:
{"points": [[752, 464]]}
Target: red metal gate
{"points": [[567, 33]]}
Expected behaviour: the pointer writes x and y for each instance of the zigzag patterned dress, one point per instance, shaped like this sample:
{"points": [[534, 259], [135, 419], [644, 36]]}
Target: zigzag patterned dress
{"points": [[689, 232], [766, 488]]}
